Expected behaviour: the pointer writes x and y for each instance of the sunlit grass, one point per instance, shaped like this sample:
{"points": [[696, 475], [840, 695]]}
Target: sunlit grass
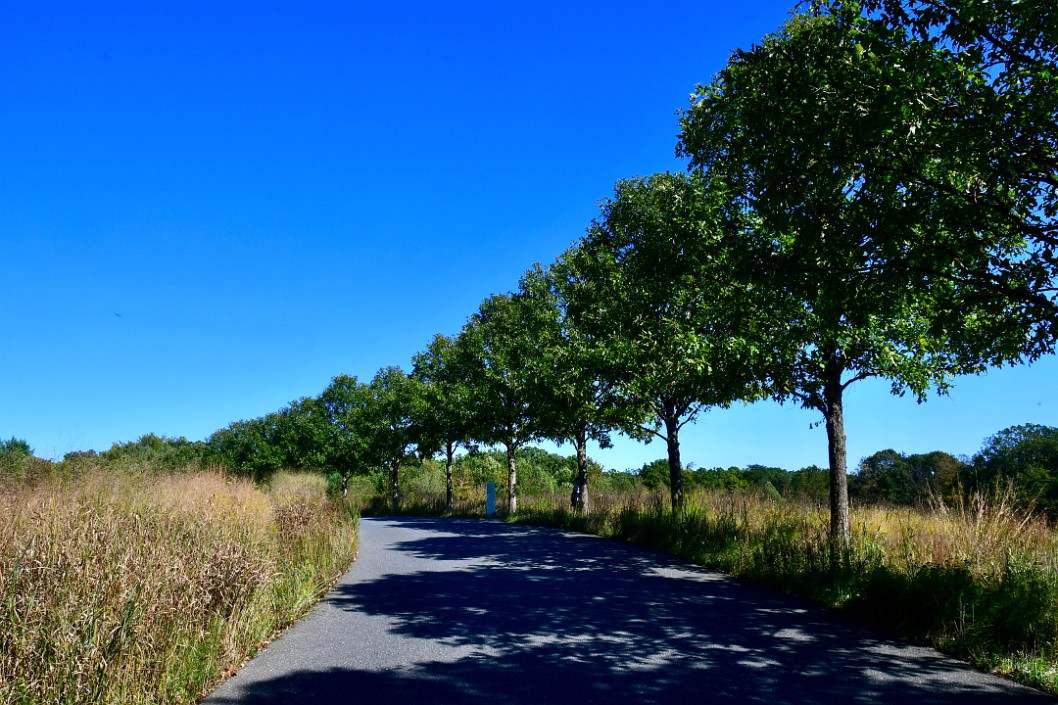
{"points": [[131, 588], [978, 580]]}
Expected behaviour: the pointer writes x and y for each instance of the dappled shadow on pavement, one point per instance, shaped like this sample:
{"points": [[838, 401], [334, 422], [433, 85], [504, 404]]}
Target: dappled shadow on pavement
{"points": [[542, 616]]}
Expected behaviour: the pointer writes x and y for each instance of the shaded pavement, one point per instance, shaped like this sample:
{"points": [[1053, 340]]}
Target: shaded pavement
{"points": [[464, 611]]}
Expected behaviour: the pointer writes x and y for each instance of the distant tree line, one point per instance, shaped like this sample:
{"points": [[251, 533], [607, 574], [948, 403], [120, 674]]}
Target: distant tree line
{"points": [[1019, 461]]}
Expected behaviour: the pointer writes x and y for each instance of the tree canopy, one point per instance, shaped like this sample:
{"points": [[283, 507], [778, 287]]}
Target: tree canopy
{"points": [[981, 153], [858, 260], [1025, 456]]}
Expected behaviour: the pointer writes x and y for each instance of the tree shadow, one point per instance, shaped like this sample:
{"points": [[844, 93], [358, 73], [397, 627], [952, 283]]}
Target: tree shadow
{"points": [[541, 615]]}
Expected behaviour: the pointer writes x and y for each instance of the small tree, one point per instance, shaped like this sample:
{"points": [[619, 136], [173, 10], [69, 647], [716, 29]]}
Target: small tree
{"points": [[442, 420], [389, 423], [15, 456], [346, 406], [15, 446]]}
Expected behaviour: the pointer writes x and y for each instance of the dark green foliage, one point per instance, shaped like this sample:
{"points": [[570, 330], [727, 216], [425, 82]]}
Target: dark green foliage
{"points": [[15, 446], [810, 483], [1025, 456], [159, 452], [296, 437], [774, 482], [17, 460], [247, 448], [948, 605], [561, 468], [886, 476], [650, 288], [77, 457], [334, 484], [911, 480], [655, 474], [575, 397], [998, 124], [346, 406], [441, 421], [822, 133], [388, 423], [719, 478]]}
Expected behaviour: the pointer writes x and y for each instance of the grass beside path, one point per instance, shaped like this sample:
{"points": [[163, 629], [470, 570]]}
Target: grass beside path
{"points": [[979, 581], [139, 588]]}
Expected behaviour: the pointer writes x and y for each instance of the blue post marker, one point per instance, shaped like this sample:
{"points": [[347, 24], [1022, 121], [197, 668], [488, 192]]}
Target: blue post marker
{"points": [[490, 499]]}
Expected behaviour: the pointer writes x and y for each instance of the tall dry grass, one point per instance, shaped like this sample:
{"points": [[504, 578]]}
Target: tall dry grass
{"points": [[131, 588]]}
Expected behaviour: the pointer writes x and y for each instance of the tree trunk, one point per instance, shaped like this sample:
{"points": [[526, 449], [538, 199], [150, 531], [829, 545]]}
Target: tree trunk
{"points": [[395, 479], [672, 440], [839, 485], [512, 479], [580, 442], [449, 454]]}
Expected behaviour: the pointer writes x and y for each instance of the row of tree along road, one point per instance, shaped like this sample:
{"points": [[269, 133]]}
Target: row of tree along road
{"points": [[871, 192], [1021, 462]]}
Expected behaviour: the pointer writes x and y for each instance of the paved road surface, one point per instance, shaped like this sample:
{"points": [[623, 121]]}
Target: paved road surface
{"points": [[476, 612]]}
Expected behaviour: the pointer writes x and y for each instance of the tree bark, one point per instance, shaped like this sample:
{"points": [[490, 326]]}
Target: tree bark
{"points": [[395, 479], [839, 486], [512, 479], [672, 440], [580, 441], [449, 456]]}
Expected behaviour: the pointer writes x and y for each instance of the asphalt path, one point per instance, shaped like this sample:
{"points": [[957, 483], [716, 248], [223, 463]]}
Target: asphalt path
{"points": [[476, 612]]}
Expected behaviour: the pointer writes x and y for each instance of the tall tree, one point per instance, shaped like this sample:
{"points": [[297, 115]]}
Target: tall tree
{"points": [[649, 286], [496, 345], [346, 403], [787, 130], [443, 419], [571, 398]]}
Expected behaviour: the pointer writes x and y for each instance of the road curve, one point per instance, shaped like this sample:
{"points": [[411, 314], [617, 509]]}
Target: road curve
{"points": [[475, 612]]}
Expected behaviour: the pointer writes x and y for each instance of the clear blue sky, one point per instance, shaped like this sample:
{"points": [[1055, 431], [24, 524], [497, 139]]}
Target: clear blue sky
{"points": [[208, 210]]}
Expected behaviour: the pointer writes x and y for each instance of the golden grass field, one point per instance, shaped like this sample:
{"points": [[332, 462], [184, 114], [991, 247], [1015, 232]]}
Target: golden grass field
{"points": [[128, 587]]}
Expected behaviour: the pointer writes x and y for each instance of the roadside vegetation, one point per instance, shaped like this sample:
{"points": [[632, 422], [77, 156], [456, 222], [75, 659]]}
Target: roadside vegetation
{"points": [[141, 585], [943, 551], [870, 192], [977, 580]]}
